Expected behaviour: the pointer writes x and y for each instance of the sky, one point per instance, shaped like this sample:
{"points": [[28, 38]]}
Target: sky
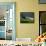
{"points": [[27, 14], [42, 1]]}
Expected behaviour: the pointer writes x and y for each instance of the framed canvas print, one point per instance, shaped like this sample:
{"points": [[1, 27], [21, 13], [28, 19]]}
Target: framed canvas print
{"points": [[42, 22], [42, 1], [26, 17], [7, 20]]}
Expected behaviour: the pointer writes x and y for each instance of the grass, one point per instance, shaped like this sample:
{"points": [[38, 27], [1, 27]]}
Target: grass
{"points": [[26, 21]]}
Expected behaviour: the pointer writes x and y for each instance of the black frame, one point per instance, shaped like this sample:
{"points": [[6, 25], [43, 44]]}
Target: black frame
{"points": [[28, 14], [39, 21]]}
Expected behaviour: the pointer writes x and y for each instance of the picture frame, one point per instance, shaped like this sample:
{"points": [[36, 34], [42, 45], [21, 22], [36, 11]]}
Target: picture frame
{"points": [[26, 17]]}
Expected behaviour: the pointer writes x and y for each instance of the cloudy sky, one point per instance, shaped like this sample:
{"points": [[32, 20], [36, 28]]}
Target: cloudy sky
{"points": [[27, 14], [42, 1]]}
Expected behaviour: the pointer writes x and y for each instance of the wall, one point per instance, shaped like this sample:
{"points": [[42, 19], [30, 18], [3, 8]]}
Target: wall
{"points": [[27, 30], [24, 30]]}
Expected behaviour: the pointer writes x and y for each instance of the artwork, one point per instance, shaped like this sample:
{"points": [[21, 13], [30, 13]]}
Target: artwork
{"points": [[42, 1], [26, 17], [42, 22]]}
